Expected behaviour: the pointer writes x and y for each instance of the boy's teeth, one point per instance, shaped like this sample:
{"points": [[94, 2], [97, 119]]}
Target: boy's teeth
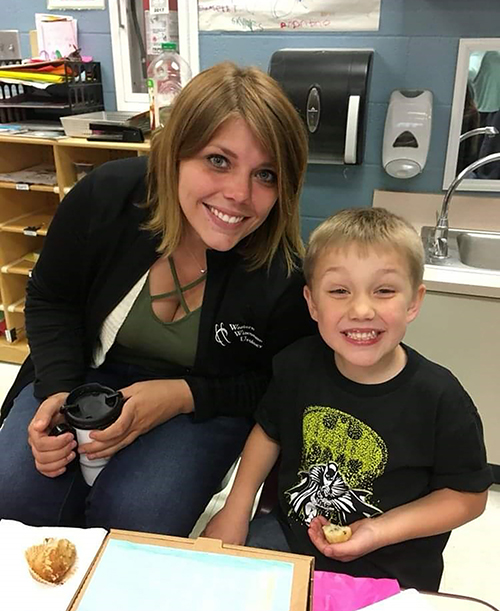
{"points": [[361, 336], [225, 217]]}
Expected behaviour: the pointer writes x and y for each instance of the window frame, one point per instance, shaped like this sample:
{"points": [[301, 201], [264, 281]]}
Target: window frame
{"points": [[126, 99]]}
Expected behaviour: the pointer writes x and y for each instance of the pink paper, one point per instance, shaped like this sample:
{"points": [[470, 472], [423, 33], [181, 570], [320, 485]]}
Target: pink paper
{"points": [[55, 34], [338, 592]]}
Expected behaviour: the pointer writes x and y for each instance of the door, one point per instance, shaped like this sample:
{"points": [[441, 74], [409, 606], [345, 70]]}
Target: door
{"points": [[138, 27]]}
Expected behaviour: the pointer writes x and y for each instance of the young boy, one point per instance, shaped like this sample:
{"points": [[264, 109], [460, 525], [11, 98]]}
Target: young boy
{"points": [[371, 434]]}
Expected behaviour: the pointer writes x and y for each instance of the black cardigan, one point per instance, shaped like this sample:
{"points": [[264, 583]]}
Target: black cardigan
{"points": [[94, 253]]}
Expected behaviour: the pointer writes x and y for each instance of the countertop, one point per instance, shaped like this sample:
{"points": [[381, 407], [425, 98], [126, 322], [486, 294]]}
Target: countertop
{"points": [[478, 282]]}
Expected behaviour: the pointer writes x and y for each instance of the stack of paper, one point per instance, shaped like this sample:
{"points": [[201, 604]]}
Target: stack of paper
{"points": [[30, 76], [39, 174], [133, 577], [35, 74]]}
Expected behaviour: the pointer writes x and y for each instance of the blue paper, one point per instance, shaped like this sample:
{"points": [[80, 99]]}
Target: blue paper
{"points": [[132, 576]]}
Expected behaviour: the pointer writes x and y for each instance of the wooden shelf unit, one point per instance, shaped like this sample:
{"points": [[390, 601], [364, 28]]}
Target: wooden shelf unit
{"points": [[22, 266], [27, 210], [44, 188], [31, 223], [15, 352]]}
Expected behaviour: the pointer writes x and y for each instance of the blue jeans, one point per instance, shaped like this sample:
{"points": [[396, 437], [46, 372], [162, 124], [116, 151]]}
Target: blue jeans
{"points": [[265, 532], [160, 483]]}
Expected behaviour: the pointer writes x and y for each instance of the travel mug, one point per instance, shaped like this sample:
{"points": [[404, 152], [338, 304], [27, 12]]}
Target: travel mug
{"points": [[88, 408]]}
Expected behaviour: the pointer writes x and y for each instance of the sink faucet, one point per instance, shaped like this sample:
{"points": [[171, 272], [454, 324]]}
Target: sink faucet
{"points": [[488, 131], [438, 240]]}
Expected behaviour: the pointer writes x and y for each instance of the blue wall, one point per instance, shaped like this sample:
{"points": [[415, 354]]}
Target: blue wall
{"points": [[415, 47]]}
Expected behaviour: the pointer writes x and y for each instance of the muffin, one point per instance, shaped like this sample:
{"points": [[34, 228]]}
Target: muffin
{"points": [[336, 534], [51, 561]]}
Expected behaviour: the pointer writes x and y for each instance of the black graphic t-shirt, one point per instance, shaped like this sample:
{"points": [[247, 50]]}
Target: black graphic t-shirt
{"points": [[350, 451]]}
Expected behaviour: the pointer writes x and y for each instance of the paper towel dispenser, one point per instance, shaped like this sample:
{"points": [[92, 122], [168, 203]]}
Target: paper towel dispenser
{"points": [[329, 88]]}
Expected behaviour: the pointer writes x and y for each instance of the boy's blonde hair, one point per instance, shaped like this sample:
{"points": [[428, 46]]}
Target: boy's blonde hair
{"points": [[217, 94], [367, 228]]}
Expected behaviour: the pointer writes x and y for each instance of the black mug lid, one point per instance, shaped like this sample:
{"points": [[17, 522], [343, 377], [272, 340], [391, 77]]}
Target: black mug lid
{"points": [[92, 406]]}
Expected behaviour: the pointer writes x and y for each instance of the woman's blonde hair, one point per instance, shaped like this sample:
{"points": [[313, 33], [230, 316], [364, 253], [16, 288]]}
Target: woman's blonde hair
{"points": [[367, 228], [217, 94]]}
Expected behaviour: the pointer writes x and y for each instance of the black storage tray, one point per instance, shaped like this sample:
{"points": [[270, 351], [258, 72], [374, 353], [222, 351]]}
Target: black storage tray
{"points": [[80, 92]]}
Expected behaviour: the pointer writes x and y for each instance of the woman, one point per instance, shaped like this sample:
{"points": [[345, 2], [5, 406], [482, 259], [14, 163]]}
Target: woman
{"points": [[180, 302]]}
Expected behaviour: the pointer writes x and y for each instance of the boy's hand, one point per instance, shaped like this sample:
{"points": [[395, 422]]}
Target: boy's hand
{"points": [[229, 527], [364, 539]]}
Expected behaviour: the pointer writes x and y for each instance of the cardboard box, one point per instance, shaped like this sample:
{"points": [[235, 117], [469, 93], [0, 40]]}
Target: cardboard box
{"points": [[303, 571]]}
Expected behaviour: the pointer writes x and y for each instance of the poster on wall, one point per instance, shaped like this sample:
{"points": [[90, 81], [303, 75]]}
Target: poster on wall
{"points": [[75, 4], [289, 15]]}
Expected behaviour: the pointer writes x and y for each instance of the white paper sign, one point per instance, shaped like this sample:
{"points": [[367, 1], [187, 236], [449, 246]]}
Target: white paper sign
{"points": [[79, 5], [162, 27], [158, 7], [289, 15]]}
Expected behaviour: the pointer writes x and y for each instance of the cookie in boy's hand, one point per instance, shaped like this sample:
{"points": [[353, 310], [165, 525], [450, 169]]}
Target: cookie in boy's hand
{"points": [[336, 534], [51, 561]]}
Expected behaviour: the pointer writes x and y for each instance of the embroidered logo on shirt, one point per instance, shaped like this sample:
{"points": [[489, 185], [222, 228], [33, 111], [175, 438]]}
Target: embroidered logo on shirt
{"points": [[243, 333], [221, 334]]}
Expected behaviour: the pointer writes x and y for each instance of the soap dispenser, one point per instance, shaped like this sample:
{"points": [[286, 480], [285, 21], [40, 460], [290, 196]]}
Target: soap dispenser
{"points": [[407, 133]]}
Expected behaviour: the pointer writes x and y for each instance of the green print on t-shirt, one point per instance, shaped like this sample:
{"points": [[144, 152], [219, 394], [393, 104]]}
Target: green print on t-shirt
{"points": [[341, 458]]}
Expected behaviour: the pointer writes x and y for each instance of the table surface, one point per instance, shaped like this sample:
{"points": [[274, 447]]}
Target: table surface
{"points": [[454, 602]]}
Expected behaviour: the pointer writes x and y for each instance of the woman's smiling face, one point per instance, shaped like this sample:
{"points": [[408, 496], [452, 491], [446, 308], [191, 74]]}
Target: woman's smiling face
{"points": [[227, 190]]}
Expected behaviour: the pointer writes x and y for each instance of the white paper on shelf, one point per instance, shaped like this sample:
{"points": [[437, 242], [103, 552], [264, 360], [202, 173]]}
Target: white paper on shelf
{"points": [[19, 591], [39, 174], [25, 82]]}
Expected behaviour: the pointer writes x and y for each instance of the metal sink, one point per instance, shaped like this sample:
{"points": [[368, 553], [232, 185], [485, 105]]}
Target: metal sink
{"points": [[479, 249], [468, 249]]}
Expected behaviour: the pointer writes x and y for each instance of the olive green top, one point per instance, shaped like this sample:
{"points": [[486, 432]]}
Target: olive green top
{"points": [[146, 340]]}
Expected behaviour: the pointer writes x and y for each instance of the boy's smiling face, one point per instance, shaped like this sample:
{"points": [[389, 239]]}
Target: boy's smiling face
{"points": [[363, 302]]}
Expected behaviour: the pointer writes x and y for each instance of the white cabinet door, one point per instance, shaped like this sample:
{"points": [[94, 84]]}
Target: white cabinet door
{"points": [[462, 333], [137, 30]]}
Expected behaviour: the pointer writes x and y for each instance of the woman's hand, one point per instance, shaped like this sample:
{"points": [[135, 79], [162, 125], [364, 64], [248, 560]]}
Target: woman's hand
{"points": [[51, 454], [364, 539], [147, 404], [228, 526]]}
